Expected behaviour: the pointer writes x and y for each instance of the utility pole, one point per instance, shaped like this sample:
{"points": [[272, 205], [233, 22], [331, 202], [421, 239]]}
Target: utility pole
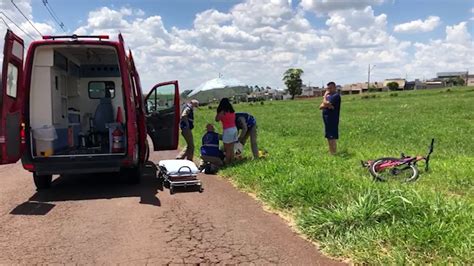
{"points": [[467, 77], [368, 77]]}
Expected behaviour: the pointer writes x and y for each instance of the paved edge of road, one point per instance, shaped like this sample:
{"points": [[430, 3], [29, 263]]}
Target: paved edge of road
{"points": [[286, 216]]}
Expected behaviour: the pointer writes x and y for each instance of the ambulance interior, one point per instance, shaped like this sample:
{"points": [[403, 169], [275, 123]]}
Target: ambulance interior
{"points": [[76, 102]]}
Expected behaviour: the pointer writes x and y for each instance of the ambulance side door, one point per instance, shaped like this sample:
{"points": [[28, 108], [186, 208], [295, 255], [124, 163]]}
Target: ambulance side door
{"points": [[12, 100], [162, 115]]}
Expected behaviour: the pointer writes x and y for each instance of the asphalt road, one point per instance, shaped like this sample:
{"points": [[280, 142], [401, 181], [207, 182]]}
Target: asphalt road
{"points": [[92, 219]]}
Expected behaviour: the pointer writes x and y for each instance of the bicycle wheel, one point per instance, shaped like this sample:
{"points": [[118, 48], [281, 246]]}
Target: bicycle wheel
{"points": [[381, 170]]}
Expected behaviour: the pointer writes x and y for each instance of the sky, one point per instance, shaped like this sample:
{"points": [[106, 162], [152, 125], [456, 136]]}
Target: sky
{"points": [[255, 41]]}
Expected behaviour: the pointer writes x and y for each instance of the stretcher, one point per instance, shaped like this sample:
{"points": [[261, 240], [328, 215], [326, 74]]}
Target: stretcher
{"points": [[179, 173]]}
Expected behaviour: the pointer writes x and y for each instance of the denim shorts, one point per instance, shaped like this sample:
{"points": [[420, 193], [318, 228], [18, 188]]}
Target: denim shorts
{"points": [[229, 135]]}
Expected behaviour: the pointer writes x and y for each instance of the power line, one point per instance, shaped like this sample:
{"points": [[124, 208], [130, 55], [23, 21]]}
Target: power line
{"points": [[4, 22], [53, 14], [31, 23], [27, 34]]}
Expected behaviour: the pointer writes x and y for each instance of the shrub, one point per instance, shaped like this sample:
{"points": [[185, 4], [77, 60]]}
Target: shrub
{"points": [[393, 86]]}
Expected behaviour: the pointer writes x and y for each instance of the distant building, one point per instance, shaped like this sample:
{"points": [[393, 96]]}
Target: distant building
{"points": [[448, 75], [434, 84], [310, 91], [470, 80], [414, 85], [361, 87], [452, 78]]}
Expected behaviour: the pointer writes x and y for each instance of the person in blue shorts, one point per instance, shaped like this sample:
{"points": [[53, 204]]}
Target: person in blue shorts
{"points": [[331, 107]]}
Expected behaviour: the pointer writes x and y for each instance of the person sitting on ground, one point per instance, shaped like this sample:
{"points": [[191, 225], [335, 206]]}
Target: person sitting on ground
{"points": [[210, 153], [247, 125]]}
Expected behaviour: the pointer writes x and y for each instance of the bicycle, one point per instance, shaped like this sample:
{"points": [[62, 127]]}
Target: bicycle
{"points": [[403, 168]]}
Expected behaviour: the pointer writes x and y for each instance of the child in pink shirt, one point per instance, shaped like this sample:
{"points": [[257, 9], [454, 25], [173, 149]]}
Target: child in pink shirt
{"points": [[226, 114]]}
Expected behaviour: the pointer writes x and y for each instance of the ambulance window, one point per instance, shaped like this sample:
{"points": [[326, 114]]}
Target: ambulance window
{"points": [[162, 98], [151, 102], [98, 89], [12, 80]]}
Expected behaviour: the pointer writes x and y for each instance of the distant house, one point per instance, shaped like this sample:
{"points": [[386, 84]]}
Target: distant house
{"points": [[401, 83], [470, 80], [448, 75], [434, 84], [309, 91], [354, 88], [414, 85], [265, 94]]}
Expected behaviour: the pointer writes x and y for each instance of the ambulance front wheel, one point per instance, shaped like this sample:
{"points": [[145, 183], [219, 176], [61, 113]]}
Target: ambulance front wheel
{"points": [[42, 181]]}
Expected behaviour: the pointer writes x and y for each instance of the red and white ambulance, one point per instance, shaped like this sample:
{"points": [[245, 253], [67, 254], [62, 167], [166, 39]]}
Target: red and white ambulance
{"points": [[75, 105]]}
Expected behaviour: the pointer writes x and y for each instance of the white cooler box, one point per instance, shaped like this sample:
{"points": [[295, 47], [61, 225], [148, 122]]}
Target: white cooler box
{"points": [[179, 173]]}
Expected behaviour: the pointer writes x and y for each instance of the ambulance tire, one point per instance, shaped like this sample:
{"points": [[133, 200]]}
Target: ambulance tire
{"points": [[42, 181]]}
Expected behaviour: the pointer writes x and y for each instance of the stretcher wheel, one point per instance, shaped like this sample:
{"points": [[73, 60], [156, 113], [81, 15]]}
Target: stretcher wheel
{"points": [[171, 190], [201, 189]]}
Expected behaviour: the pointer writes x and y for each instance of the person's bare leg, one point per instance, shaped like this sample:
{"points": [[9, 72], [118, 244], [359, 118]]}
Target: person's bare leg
{"points": [[253, 142], [229, 152], [332, 146]]}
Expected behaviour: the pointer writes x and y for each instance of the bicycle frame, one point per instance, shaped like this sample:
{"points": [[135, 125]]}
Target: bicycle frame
{"points": [[404, 160], [395, 163]]}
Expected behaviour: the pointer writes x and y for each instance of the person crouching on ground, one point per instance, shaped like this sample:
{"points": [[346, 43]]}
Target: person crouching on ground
{"points": [[247, 125], [330, 107], [187, 124], [210, 152], [226, 114]]}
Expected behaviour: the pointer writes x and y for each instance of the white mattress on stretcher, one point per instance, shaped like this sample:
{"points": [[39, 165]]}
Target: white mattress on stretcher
{"points": [[173, 167]]}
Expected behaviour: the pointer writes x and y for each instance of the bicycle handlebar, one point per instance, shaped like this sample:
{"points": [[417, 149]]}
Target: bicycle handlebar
{"points": [[427, 158]]}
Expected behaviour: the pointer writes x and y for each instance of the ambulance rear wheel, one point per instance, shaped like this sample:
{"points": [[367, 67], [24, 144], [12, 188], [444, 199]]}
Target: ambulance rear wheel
{"points": [[42, 181]]}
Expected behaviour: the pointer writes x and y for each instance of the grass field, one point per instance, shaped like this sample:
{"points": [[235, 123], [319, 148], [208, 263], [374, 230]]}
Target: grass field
{"points": [[334, 200]]}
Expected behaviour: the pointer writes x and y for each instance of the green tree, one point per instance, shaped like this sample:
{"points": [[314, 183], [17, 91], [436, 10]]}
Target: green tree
{"points": [[457, 81], [292, 79], [393, 86]]}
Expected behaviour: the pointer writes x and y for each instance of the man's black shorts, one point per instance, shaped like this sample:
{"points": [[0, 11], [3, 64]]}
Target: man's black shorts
{"points": [[331, 127]]}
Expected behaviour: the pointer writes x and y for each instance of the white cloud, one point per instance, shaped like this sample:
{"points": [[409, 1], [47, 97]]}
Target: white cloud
{"points": [[324, 6], [9, 11], [418, 25], [454, 53], [357, 28]]}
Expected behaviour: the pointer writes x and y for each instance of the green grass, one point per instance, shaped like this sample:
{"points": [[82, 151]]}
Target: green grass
{"points": [[335, 202]]}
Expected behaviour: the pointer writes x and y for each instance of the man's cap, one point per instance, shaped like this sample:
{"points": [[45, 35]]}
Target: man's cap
{"points": [[194, 101], [331, 83]]}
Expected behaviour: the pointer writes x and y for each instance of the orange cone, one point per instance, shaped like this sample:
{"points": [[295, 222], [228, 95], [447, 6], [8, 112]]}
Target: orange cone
{"points": [[119, 115]]}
